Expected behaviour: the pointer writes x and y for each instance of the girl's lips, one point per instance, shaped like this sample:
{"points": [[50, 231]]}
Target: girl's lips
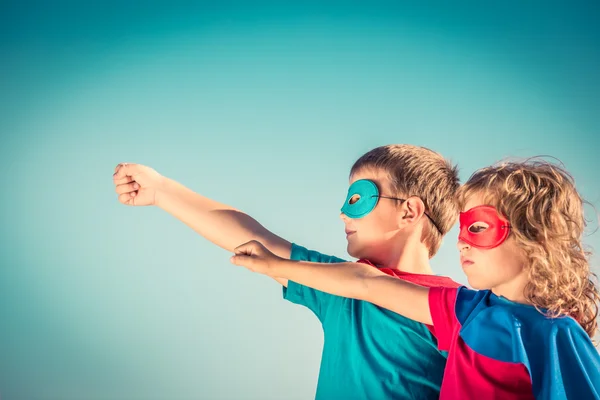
{"points": [[465, 262]]}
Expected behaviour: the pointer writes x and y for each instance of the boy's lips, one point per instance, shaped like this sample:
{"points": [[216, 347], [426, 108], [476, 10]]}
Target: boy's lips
{"points": [[349, 232]]}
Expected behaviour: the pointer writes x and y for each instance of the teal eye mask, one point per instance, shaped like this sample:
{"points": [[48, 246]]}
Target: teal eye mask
{"points": [[361, 200]]}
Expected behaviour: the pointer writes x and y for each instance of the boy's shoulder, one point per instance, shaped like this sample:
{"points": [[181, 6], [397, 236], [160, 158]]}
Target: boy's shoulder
{"points": [[419, 279], [301, 253]]}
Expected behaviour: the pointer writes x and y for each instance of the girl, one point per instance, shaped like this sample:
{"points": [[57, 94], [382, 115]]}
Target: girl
{"points": [[526, 332]]}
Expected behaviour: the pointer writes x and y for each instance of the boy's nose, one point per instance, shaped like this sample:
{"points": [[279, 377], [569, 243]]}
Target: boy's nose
{"points": [[344, 217]]}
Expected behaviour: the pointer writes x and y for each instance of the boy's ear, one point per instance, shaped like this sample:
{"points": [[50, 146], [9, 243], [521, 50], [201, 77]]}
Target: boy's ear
{"points": [[412, 210]]}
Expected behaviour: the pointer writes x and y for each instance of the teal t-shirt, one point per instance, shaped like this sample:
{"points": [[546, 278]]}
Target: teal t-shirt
{"points": [[368, 352]]}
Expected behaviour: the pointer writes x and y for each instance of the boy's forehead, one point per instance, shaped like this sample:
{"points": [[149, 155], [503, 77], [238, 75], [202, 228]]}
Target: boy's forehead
{"points": [[380, 177]]}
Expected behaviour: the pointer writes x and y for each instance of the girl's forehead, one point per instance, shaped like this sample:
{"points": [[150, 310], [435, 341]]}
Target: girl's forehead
{"points": [[473, 200]]}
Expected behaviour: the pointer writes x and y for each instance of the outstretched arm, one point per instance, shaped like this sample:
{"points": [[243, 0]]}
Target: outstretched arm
{"points": [[223, 225], [354, 280]]}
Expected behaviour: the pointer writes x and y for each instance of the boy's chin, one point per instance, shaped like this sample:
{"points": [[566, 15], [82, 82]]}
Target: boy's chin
{"points": [[356, 252], [353, 251]]}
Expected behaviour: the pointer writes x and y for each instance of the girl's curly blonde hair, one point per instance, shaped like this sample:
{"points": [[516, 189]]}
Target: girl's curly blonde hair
{"points": [[545, 212]]}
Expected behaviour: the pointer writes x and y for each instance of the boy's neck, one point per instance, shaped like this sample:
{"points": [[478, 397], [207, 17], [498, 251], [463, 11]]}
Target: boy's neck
{"points": [[412, 258]]}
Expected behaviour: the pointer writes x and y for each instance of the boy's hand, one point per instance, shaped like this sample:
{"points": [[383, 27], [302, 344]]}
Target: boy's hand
{"points": [[137, 184], [254, 256]]}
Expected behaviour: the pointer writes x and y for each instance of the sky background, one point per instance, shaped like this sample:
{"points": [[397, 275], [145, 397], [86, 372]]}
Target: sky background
{"points": [[264, 106]]}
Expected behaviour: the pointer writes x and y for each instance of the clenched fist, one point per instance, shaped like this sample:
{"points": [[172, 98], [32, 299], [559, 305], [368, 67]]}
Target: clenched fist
{"points": [[255, 257], [137, 184]]}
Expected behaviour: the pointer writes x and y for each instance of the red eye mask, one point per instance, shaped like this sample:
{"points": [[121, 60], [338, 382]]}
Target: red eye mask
{"points": [[488, 238]]}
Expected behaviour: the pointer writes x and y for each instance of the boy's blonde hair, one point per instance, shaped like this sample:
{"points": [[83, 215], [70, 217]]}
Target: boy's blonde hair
{"points": [[545, 212], [421, 172]]}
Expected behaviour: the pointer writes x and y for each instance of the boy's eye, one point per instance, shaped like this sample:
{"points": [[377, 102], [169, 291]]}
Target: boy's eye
{"points": [[354, 199], [478, 227]]}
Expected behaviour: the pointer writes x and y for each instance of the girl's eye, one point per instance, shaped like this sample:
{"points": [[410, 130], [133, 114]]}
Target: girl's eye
{"points": [[354, 199], [478, 227]]}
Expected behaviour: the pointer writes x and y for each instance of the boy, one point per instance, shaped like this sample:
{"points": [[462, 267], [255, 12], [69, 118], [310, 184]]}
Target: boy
{"points": [[400, 204]]}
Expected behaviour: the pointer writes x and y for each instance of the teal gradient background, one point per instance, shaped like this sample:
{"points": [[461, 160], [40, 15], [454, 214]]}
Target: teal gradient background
{"points": [[264, 106]]}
